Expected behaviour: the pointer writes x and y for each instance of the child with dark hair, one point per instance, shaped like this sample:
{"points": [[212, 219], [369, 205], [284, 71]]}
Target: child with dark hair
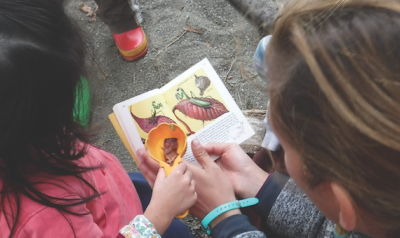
{"points": [[53, 183], [334, 85]]}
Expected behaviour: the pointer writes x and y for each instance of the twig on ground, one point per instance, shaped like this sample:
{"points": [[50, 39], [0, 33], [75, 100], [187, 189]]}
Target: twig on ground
{"points": [[134, 79], [230, 69], [193, 30], [224, 57], [240, 100], [157, 67], [98, 66], [159, 52]]}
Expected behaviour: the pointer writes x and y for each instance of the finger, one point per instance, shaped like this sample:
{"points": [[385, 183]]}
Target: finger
{"points": [[200, 154], [194, 198], [218, 148], [180, 169], [189, 175], [148, 174], [144, 157], [193, 185], [197, 172], [160, 175]]}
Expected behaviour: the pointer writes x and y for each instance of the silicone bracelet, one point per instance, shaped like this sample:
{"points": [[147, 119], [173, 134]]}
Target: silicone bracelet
{"points": [[205, 223]]}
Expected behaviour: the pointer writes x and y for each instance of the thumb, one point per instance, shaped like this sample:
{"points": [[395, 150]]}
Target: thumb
{"points": [[160, 175], [200, 154]]}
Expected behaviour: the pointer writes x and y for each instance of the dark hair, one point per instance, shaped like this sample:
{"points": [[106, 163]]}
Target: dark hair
{"points": [[42, 57], [335, 98]]}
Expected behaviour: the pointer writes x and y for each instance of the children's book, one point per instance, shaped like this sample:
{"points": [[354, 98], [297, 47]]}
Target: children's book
{"points": [[197, 101]]}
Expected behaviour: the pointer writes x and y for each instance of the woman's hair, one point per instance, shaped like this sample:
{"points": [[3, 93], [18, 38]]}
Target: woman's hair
{"points": [[335, 97], [42, 57]]}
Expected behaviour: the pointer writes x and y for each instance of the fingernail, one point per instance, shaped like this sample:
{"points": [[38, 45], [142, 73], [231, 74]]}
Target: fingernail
{"points": [[196, 143], [139, 153]]}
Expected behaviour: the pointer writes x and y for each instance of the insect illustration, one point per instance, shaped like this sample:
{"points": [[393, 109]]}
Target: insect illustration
{"points": [[146, 124], [198, 101], [156, 106], [203, 109]]}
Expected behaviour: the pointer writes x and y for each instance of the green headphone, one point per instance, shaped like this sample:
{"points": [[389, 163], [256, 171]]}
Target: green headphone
{"points": [[82, 102]]}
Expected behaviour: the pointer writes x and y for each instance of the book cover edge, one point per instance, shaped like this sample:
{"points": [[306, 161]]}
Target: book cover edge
{"points": [[120, 132]]}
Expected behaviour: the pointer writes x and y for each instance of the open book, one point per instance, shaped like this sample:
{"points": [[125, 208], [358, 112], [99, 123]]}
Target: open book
{"points": [[196, 100]]}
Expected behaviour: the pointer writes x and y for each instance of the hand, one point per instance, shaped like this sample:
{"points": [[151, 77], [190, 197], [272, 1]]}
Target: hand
{"points": [[148, 166], [172, 195], [212, 186], [245, 175]]}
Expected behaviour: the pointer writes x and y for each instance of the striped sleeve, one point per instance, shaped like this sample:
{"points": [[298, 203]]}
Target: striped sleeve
{"points": [[259, 57]]}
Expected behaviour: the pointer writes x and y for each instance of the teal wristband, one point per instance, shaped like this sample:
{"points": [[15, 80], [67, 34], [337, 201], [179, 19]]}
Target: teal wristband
{"points": [[205, 223]]}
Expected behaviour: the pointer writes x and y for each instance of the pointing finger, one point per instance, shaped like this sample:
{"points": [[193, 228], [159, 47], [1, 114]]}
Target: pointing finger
{"points": [[201, 154]]}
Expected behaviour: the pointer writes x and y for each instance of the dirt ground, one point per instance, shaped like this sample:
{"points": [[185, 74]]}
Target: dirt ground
{"points": [[227, 40]]}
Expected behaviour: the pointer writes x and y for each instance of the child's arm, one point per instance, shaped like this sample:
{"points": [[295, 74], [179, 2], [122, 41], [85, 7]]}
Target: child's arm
{"points": [[172, 196]]}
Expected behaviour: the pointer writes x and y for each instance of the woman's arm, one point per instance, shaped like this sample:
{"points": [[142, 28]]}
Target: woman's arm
{"points": [[293, 214], [237, 226]]}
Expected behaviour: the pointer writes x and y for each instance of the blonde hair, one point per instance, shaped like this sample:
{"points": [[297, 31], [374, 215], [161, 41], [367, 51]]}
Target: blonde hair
{"points": [[335, 97]]}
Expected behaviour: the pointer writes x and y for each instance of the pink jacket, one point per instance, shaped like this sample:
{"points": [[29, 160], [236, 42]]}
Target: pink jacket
{"points": [[108, 213]]}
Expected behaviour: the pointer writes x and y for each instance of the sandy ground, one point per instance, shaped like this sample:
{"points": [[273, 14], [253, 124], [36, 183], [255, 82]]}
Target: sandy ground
{"points": [[227, 38]]}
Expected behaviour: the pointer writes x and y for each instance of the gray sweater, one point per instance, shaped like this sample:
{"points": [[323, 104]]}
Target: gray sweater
{"points": [[289, 213]]}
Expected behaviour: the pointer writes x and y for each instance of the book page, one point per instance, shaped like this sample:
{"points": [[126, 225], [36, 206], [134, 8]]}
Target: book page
{"points": [[142, 113], [200, 101], [195, 108], [150, 112], [197, 100]]}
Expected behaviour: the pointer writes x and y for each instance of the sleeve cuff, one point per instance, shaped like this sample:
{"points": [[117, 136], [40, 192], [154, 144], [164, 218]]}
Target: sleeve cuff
{"points": [[259, 57], [269, 192], [232, 226], [139, 227]]}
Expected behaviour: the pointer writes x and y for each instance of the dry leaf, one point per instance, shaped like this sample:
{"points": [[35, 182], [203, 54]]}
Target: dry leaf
{"points": [[208, 45], [230, 77], [86, 9], [89, 11], [96, 7], [170, 150]]}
